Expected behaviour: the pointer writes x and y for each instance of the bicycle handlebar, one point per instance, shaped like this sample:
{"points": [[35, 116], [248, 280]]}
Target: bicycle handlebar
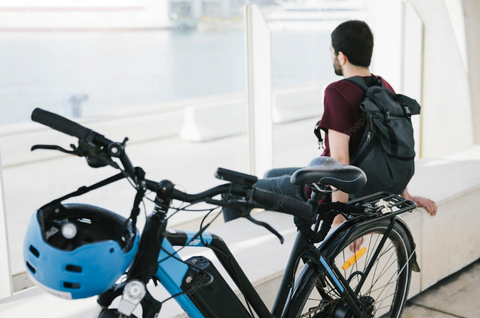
{"points": [[60, 123], [191, 198], [281, 203], [268, 200]]}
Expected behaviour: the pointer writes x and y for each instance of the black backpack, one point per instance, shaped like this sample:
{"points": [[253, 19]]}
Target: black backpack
{"points": [[386, 151]]}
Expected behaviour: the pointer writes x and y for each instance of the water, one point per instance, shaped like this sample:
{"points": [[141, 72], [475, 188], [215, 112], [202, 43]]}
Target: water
{"points": [[132, 69]]}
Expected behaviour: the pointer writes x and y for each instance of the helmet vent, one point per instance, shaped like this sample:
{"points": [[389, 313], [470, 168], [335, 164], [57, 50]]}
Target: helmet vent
{"points": [[31, 268], [74, 268], [71, 285], [34, 251]]}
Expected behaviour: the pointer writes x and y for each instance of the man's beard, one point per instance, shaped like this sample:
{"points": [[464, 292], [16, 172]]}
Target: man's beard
{"points": [[337, 68]]}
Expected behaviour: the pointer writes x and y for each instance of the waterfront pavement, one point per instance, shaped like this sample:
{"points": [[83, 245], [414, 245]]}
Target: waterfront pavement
{"points": [[455, 296]]}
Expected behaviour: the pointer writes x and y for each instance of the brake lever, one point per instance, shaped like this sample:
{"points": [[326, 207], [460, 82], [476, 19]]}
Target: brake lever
{"points": [[234, 204], [102, 158], [54, 147], [267, 226]]}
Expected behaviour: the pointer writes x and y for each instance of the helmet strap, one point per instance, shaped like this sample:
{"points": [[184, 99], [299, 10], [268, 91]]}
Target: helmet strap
{"points": [[83, 190], [141, 189]]}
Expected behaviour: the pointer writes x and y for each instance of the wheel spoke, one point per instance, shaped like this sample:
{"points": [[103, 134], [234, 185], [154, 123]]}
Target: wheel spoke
{"points": [[384, 271], [376, 266], [381, 272]]}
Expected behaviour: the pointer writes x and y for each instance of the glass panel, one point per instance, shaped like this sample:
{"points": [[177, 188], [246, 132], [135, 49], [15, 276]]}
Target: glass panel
{"points": [[163, 73], [301, 69]]}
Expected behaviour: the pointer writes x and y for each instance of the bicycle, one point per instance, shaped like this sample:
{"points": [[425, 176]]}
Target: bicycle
{"points": [[78, 250]]}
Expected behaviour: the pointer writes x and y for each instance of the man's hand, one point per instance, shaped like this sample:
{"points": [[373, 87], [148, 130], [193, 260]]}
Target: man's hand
{"points": [[428, 204], [421, 202]]}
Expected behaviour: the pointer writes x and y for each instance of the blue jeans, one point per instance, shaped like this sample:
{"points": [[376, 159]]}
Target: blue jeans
{"points": [[277, 181]]}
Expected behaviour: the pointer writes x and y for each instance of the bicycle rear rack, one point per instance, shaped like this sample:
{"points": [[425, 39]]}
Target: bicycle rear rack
{"points": [[385, 203]]}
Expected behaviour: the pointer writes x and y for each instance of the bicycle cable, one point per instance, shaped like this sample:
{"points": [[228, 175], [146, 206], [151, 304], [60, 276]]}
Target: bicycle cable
{"points": [[242, 289]]}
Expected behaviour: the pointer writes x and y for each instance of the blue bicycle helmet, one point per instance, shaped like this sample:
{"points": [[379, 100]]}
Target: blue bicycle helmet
{"points": [[77, 250]]}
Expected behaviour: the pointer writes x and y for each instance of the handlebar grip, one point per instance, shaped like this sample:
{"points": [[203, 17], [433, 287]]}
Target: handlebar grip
{"points": [[60, 123], [281, 203]]}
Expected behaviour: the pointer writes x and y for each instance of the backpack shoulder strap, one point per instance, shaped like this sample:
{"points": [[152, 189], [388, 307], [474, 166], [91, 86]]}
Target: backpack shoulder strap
{"points": [[359, 81], [365, 83]]}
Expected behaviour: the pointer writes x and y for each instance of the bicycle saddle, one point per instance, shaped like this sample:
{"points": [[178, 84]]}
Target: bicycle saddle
{"points": [[328, 171]]}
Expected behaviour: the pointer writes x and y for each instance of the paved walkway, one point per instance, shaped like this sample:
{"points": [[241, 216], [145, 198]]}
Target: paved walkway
{"points": [[455, 296]]}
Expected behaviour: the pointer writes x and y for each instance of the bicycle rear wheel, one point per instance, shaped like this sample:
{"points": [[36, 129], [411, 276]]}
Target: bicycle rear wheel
{"points": [[385, 288]]}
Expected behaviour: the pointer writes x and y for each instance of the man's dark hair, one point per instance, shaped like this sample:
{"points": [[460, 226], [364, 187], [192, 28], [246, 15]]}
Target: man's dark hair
{"points": [[354, 39]]}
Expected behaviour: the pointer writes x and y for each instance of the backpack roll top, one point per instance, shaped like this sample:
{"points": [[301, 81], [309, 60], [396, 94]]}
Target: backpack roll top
{"points": [[389, 121]]}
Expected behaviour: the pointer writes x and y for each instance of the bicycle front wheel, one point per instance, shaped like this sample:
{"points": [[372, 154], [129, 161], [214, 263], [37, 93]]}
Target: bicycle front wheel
{"points": [[385, 288]]}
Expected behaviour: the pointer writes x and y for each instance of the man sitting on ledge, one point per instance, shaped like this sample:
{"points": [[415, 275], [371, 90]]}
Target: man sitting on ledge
{"points": [[351, 51]]}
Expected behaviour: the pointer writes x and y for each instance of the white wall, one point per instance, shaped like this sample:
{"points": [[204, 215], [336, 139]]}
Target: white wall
{"points": [[445, 94], [471, 13], [385, 22], [447, 122], [258, 54]]}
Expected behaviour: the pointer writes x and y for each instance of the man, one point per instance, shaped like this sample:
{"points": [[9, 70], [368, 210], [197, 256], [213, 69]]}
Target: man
{"points": [[351, 52]]}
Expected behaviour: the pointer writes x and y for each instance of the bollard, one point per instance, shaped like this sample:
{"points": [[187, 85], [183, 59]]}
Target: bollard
{"points": [[73, 105]]}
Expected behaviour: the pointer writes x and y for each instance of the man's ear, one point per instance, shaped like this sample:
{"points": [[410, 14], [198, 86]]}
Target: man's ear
{"points": [[342, 58]]}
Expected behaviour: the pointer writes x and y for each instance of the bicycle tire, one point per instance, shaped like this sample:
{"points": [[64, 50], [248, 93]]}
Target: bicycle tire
{"points": [[323, 302]]}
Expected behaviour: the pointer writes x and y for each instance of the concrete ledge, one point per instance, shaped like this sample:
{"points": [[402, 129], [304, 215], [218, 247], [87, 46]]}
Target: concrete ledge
{"points": [[146, 123], [16, 146], [213, 121], [297, 103], [194, 120], [449, 241], [227, 118]]}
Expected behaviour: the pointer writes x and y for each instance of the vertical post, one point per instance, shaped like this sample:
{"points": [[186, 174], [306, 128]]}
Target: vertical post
{"points": [[226, 8], [472, 29], [157, 13], [259, 91], [412, 66], [196, 8], [6, 286]]}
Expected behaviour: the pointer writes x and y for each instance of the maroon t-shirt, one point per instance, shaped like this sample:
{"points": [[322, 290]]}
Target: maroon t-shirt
{"points": [[342, 112]]}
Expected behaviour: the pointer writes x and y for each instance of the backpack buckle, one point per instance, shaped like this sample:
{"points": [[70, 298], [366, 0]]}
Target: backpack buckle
{"points": [[387, 116], [318, 133]]}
